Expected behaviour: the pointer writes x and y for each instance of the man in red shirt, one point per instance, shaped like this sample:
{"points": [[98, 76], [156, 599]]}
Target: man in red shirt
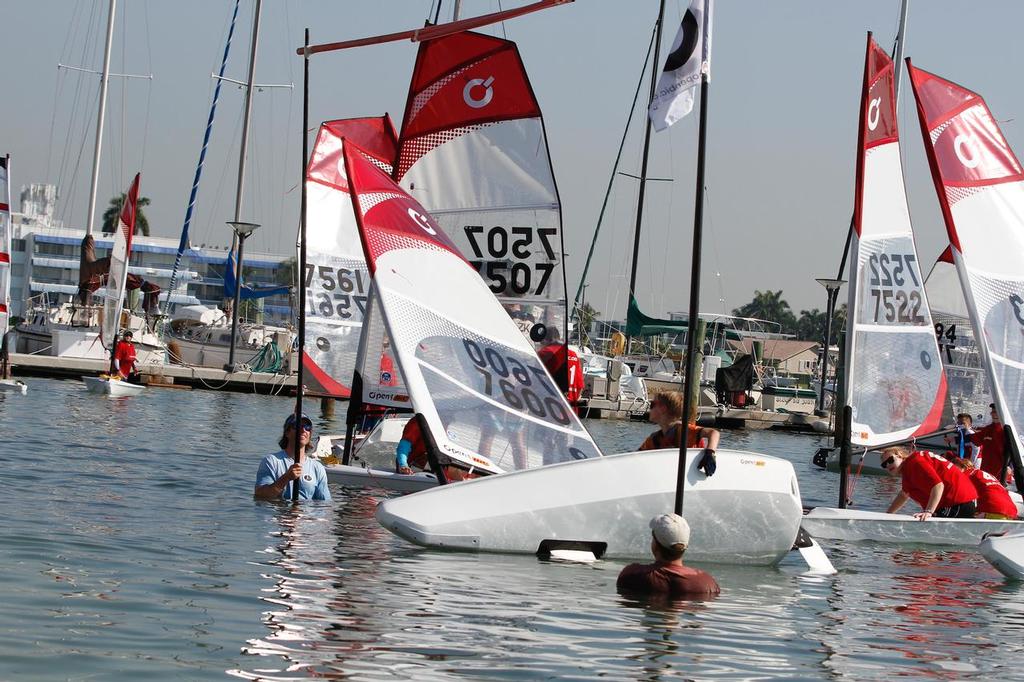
{"points": [[992, 441], [124, 357], [670, 536], [564, 365], [932, 481], [993, 500]]}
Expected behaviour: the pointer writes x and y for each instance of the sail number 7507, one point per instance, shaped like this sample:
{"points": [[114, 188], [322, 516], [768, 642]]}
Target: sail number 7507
{"points": [[502, 254]]}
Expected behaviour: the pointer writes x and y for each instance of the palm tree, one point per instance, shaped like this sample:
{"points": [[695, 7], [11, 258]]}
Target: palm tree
{"points": [[769, 305], [113, 212]]}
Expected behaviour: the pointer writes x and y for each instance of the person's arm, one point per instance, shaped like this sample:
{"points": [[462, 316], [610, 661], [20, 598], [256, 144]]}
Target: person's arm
{"points": [[712, 436], [897, 503], [933, 502], [269, 487], [402, 456]]}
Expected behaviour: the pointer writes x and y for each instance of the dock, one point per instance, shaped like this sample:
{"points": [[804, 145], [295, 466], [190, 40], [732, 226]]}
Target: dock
{"points": [[165, 376]]}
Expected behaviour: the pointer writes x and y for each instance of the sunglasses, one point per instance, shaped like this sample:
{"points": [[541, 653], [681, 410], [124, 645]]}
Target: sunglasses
{"points": [[888, 461]]}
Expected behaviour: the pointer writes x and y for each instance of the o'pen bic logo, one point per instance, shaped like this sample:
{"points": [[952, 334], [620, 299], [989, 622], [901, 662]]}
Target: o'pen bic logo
{"points": [[422, 221], [874, 113], [467, 92], [967, 150]]}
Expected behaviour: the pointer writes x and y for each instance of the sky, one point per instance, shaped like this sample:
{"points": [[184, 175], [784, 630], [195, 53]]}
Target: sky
{"points": [[782, 121]]}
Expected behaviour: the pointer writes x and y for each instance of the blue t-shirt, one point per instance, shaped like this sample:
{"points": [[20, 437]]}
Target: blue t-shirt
{"points": [[313, 482]]}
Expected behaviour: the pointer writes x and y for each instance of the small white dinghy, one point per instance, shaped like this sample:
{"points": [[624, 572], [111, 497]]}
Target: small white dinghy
{"points": [[372, 461], [1005, 551], [104, 385], [13, 386], [746, 513], [829, 523]]}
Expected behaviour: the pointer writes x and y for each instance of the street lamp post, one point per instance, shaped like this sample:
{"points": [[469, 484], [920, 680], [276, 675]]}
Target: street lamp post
{"points": [[832, 289], [242, 231]]}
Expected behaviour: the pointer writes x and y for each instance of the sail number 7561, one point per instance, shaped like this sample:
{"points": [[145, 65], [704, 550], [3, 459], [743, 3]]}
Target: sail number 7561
{"points": [[332, 291]]}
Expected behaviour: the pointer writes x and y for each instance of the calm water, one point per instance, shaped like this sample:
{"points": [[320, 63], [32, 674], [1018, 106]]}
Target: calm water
{"points": [[131, 547]]}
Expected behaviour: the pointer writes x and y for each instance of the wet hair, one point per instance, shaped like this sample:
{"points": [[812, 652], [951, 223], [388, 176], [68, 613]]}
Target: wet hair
{"points": [[672, 553], [671, 400]]}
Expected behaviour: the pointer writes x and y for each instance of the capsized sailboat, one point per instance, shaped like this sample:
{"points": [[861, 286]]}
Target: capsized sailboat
{"points": [[7, 384], [113, 298], [491, 407]]}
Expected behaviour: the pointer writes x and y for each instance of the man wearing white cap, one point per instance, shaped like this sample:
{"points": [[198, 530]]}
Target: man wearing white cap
{"points": [[670, 535]]}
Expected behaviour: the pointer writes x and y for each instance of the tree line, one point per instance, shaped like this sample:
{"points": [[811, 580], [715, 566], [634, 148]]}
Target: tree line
{"points": [[809, 326]]}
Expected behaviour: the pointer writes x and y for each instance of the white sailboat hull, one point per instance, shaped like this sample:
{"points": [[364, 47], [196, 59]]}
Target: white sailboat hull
{"points": [[13, 386], [363, 477], [828, 523], [113, 388], [747, 513], [1005, 553]]}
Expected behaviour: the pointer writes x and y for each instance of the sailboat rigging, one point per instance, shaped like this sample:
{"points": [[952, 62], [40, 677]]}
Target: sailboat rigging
{"points": [[6, 382]]}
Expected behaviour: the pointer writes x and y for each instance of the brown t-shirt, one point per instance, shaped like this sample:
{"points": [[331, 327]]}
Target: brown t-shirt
{"points": [[667, 579]]}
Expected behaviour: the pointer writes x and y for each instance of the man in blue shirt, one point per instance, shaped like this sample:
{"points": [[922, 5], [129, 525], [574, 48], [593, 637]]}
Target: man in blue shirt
{"points": [[278, 470]]}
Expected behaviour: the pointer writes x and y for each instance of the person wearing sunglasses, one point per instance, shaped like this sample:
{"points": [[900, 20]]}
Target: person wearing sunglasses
{"points": [[274, 478], [932, 481]]}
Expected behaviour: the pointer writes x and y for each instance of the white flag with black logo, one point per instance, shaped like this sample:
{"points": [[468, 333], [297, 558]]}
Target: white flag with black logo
{"points": [[689, 57]]}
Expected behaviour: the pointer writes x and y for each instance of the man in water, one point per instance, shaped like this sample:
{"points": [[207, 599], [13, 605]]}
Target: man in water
{"points": [[933, 482], [666, 411], [278, 470], [670, 536]]}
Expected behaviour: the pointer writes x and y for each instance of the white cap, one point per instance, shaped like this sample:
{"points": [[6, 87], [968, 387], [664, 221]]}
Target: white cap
{"points": [[670, 529]]}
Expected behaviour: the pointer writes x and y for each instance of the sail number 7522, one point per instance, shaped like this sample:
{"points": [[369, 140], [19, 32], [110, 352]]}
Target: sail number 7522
{"points": [[501, 257], [894, 288]]}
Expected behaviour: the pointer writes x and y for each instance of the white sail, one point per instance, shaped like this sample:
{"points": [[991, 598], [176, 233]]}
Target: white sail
{"points": [[980, 184], [895, 386], [473, 152], [336, 278], [967, 381], [117, 276], [487, 399], [5, 242]]}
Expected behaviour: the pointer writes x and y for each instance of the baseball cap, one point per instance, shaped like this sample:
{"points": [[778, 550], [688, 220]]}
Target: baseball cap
{"points": [[670, 529], [290, 421]]}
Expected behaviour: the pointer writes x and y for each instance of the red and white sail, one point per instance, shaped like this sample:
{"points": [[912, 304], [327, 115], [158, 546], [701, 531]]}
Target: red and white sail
{"points": [[895, 387], [474, 153], [336, 278], [117, 276], [966, 379], [488, 401], [980, 184], [5, 242]]}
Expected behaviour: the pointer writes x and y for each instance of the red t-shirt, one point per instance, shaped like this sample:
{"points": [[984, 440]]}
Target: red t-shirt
{"points": [[992, 441], [125, 356], [992, 496], [412, 433], [666, 578], [674, 437], [569, 379], [923, 470]]}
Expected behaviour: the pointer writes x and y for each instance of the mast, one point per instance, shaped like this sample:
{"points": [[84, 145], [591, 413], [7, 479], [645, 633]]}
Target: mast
{"points": [[104, 79], [643, 162], [183, 244], [235, 242], [692, 371], [300, 375]]}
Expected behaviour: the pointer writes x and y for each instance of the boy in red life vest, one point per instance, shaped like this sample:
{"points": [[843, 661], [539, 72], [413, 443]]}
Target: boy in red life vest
{"points": [[666, 410], [412, 449], [992, 441], [670, 536], [124, 357], [564, 365], [932, 481]]}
